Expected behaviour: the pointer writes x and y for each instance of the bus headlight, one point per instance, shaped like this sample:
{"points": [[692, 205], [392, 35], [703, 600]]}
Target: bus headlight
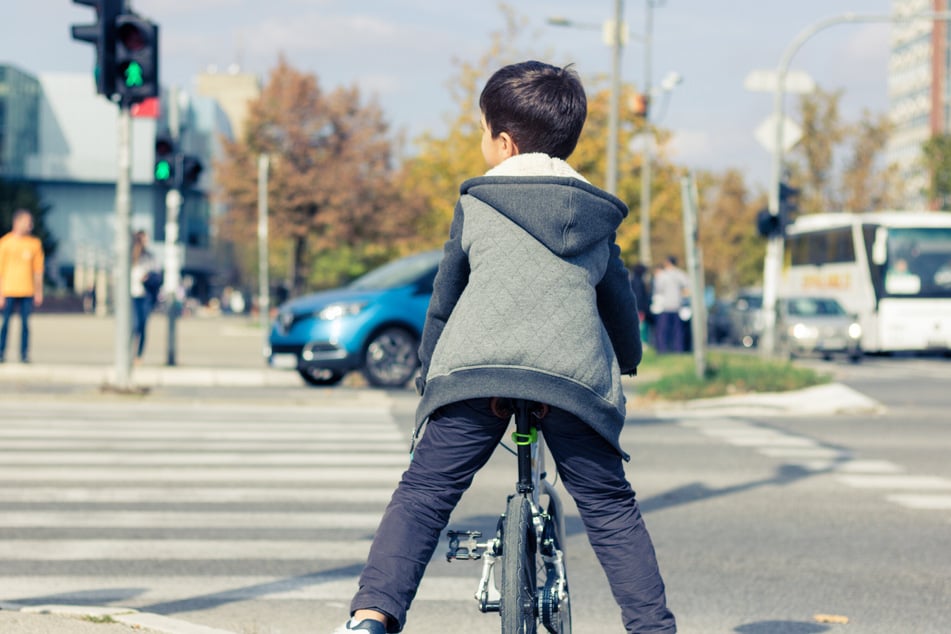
{"points": [[855, 330]]}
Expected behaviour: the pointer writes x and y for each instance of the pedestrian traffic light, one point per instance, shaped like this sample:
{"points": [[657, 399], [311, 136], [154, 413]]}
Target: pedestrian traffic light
{"points": [[136, 58], [164, 159], [191, 170], [101, 34]]}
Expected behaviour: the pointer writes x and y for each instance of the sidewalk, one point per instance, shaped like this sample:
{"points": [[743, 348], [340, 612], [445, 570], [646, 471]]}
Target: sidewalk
{"points": [[77, 349], [69, 619]]}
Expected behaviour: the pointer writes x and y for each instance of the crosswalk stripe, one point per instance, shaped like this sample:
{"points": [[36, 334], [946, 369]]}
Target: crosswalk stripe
{"points": [[180, 495], [153, 591], [895, 482], [108, 444], [922, 501], [354, 435], [181, 549], [128, 473], [805, 452], [187, 519], [207, 459]]}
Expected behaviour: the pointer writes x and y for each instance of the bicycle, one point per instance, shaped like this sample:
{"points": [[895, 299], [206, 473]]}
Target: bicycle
{"points": [[532, 584]]}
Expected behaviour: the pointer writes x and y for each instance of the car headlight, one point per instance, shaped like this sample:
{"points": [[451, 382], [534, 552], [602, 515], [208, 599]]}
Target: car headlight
{"points": [[855, 330], [340, 309], [802, 331]]}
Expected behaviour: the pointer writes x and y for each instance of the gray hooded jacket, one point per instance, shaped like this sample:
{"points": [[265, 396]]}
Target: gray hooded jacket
{"points": [[532, 301]]}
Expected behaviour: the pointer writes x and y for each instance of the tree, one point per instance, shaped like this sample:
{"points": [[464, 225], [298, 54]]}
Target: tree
{"points": [[937, 159], [732, 249], [839, 166], [18, 195], [333, 200]]}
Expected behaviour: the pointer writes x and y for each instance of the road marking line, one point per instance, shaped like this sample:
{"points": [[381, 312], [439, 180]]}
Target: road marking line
{"points": [[179, 495], [851, 466], [805, 452], [206, 459], [124, 473], [922, 501], [894, 482], [187, 519], [181, 549], [107, 444], [156, 590], [771, 440]]}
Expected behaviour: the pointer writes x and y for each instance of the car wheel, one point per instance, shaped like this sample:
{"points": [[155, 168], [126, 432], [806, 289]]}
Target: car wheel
{"points": [[855, 357], [320, 377], [390, 358]]}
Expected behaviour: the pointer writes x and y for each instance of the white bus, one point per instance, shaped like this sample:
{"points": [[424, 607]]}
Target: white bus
{"points": [[892, 269]]}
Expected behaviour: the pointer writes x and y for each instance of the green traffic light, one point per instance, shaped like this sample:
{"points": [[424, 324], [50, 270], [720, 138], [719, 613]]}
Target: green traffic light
{"points": [[163, 171], [133, 75]]}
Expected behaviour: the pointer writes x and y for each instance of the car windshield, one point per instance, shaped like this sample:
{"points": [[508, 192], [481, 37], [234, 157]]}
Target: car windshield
{"points": [[401, 272], [814, 306]]}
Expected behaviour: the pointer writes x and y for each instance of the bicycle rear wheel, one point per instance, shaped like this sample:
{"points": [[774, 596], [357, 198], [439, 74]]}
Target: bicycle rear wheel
{"points": [[519, 588]]}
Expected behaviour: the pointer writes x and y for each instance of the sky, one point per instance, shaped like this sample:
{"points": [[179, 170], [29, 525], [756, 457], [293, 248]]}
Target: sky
{"points": [[402, 52]]}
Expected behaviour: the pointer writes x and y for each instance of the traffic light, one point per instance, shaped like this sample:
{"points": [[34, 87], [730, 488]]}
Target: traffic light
{"points": [[164, 159], [102, 35], [769, 225], [788, 202], [136, 58], [191, 170]]}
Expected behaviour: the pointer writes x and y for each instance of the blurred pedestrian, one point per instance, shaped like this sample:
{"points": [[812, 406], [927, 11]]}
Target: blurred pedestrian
{"points": [[670, 288], [642, 294], [21, 279], [143, 288]]}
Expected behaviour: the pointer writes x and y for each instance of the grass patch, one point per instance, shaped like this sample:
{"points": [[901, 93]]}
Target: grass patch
{"points": [[104, 619], [673, 376]]}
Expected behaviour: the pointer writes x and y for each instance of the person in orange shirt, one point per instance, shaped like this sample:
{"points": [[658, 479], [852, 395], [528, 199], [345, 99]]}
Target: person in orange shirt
{"points": [[21, 279]]}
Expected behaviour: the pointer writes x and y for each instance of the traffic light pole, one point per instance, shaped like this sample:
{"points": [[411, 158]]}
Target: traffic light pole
{"points": [[123, 298], [171, 279]]}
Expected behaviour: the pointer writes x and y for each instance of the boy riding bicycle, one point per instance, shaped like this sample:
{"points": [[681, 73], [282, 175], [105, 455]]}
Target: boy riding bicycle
{"points": [[531, 301]]}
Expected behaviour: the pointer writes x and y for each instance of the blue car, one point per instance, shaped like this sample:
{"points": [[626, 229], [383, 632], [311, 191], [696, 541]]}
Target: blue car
{"points": [[374, 325]]}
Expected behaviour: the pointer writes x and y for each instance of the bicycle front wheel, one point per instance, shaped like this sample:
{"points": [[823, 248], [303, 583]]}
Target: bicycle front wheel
{"points": [[519, 589]]}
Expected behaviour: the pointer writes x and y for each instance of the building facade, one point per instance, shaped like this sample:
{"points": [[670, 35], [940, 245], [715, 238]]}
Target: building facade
{"points": [[19, 120], [59, 135], [918, 85]]}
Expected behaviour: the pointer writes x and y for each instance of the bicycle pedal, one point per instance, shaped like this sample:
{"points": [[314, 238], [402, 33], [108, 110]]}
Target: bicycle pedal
{"points": [[464, 550]]}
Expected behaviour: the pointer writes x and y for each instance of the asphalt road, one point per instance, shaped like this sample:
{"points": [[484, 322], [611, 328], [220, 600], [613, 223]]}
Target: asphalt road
{"points": [[762, 524]]}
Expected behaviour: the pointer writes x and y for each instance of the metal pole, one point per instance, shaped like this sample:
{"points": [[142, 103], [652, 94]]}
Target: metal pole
{"points": [[264, 291], [173, 206], [172, 278], [698, 318], [645, 242], [772, 264], [616, 44], [123, 299]]}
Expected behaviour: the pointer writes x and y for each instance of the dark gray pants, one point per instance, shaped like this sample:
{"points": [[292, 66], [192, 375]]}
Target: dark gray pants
{"points": [[459, 440]]}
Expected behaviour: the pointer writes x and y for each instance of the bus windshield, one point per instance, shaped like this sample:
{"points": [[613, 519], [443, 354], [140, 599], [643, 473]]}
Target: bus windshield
{"points": [[919, 262]]}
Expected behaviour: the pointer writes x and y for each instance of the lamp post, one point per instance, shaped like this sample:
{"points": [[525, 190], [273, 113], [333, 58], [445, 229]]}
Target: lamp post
{"points": [[615, 33], [774, 247]]}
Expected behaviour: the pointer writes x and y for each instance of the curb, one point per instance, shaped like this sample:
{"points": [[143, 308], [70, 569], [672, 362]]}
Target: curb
{"points": [[151, 376], [829, 399], [126, 616]]}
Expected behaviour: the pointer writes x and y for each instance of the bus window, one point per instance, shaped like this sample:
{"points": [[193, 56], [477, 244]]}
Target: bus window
{"points": [[919, 260], [818, 248]]}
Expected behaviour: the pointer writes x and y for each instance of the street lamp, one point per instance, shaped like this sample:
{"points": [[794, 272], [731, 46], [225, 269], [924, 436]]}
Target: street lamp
{"points": [[615, 34]]}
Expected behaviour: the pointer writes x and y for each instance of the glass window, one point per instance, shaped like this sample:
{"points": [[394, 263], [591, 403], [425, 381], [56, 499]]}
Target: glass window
{"points": [[919, 262]]}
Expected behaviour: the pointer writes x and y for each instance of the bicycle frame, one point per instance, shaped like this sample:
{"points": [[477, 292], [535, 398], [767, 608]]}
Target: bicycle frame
{"points": [[532, 483]]}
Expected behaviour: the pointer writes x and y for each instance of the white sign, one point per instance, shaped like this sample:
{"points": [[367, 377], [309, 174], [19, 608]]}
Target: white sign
{"points": [[766, 133], [796, 82]]}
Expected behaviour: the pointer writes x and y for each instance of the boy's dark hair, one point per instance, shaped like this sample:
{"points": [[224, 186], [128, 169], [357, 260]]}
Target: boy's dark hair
{"points": [[542, 107]]}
